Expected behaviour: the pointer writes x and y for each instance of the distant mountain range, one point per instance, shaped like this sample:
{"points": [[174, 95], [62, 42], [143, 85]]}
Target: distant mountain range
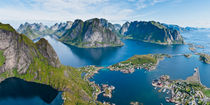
{"points": [[101, 33], [36, 30], [181, 29]]}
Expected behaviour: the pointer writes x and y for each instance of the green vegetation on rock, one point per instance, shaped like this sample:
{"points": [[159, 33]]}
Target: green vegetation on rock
{"points": [[151, 31], [75, 90], [148, 62], [205, 58], [140, 59], [91, 34], [6, 27], [2, 58], [206, 92]]}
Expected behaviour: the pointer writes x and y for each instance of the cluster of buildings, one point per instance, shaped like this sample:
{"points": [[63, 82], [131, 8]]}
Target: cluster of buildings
{"points": [[130, 67], [107, 90], [181, 91]]}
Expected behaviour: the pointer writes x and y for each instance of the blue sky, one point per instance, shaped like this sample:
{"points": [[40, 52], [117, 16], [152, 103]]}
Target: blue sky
{"points": [[194, 13]]}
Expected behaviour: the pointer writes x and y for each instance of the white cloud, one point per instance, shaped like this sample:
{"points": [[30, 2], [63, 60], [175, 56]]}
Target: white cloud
{"points": [[145, 3], [63, 10]]}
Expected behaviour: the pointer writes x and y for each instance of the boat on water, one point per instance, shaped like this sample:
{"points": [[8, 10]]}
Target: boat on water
{"points": [[164, 90]]}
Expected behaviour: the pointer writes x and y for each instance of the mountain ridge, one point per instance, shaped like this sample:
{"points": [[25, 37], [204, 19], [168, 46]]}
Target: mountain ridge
{"points": [[91, 34], [38, 62], [151, 31]]}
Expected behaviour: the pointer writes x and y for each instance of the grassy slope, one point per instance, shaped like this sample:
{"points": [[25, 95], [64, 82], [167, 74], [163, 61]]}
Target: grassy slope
{"points": [[2, 58], [67, 79], [141, 59], [6, 27]]}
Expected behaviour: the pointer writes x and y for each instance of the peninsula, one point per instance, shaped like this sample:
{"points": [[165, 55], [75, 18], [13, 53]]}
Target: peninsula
{"points": [[189, 91], [148, 62]]}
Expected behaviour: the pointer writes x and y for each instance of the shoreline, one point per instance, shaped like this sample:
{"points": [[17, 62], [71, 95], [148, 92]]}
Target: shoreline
{"points": [[152, 61], [183, 91]]}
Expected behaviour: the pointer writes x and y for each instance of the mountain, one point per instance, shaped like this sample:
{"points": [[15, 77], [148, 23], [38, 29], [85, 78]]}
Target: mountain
{"points": [[38, 62], [60, 29], [91, 33], [153, 32], [181, 29], [124, 28], [36, 30], [175, 27], [117, 27]]}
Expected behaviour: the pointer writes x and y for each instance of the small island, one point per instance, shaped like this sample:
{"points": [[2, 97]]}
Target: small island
{"points": [[148, 62], [187, 55], [204, 57], [107, 90], [189, 91], [135, 103]]}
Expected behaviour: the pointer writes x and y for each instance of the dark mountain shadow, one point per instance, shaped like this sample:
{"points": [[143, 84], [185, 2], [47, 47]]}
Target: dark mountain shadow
{"points": [[15, 87], [95, 55]]}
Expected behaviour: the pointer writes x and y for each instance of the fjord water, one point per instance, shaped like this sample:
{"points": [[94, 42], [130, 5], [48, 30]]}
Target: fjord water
{"points": [[14, 91], [136, 86], [129, 87]]}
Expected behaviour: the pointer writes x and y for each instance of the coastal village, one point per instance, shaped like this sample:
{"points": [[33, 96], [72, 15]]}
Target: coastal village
{"points": [[148, 62], [105, 89], [189, 91]]}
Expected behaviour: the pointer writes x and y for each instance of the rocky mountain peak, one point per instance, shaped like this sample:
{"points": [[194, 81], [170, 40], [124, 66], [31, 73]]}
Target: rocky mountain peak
{"points": [[91, 33], [151, 31], [20, 51]]}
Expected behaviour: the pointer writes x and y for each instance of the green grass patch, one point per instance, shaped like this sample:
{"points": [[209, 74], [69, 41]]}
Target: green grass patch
{"points": [[141, 59], [7, 27], [206, 92], [2, 58], [64, 78]]}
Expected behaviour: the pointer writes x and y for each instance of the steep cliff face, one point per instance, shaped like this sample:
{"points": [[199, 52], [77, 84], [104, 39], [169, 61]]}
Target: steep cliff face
{"points": [[48, 52], [38, 62], [152, 31], [19, 51], [124, 28], [91, 33]]}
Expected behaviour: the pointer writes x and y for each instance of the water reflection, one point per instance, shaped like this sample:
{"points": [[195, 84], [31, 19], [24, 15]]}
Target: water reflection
{"points": [[17, 88], [94, 55]]}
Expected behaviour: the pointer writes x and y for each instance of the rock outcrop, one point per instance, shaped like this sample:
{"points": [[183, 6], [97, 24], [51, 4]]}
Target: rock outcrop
{"points": [[151, 31], [48, 52], [38, 62], [91, 33], [205, 58], [19, 51]]}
